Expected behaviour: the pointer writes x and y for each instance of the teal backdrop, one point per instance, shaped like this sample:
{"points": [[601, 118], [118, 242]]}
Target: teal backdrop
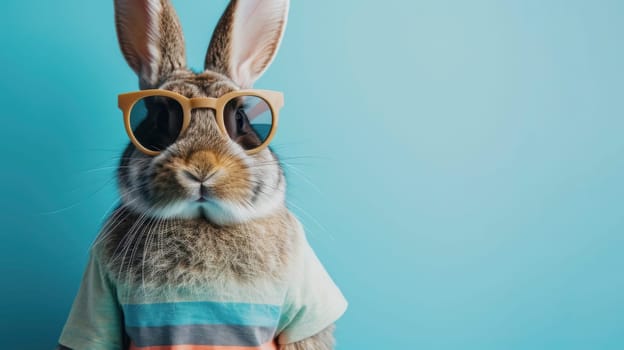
{"points": [[458, 165]]}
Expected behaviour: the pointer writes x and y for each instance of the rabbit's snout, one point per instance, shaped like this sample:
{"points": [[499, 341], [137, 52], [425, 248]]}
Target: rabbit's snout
{"points": [[200, 173], [202, 165], [191, 176], [202, 186]]}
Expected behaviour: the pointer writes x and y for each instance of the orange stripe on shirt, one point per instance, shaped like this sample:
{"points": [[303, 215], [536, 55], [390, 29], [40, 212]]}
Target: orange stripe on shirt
{"points": [[267, 346]]}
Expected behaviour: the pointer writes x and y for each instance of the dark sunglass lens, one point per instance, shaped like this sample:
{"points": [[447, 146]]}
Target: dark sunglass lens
{"points": [[156, 121], [248, 121]]}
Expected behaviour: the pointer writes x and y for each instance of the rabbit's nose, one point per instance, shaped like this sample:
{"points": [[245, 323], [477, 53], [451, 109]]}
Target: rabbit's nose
{"points": [[205, 189], [200, 178], [204, 193], [201, 164], [192, 177]]}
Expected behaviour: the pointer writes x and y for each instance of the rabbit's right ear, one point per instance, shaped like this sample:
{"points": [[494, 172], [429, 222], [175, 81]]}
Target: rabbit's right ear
{"points": [[150, 37], [246, 39]]}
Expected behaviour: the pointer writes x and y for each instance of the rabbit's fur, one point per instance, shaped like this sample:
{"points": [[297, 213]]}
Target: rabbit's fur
{"points": [[192, 253], [159, 236]]}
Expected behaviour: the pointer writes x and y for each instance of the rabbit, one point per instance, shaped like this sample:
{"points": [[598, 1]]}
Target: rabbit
{"points": [[202, 252]]}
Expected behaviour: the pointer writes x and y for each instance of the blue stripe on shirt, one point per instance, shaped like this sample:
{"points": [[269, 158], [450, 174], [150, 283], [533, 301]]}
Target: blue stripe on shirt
{"points": [[200, 313]]}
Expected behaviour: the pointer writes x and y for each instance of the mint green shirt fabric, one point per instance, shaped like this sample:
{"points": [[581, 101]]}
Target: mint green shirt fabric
{"points": [[307, 302], [95, 320]]}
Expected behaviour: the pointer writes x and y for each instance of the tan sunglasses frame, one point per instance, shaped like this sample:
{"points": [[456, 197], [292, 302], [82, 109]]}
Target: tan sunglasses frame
{"points": [[274, 99]]}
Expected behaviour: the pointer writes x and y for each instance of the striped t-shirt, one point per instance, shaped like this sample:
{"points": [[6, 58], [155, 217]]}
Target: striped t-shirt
{"points": [[109, 316], [201, 325]]}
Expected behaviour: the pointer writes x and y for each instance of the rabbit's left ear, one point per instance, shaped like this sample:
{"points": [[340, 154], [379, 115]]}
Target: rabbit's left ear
{"points": [[246, 39], [150, 38]]}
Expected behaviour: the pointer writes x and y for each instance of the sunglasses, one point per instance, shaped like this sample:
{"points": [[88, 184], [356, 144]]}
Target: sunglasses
{"points": [[155, 119]]}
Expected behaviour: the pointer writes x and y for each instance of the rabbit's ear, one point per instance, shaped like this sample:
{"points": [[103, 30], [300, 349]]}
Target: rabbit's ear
{"points": [[246, 39], [150, 38]]}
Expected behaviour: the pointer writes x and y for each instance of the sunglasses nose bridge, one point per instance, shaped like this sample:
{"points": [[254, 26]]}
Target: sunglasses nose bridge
{"points": [[204, 102]]}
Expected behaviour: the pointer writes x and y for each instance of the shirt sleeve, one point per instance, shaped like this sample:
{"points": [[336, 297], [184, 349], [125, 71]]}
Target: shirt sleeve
{"points": [[95, 319], [313, 301]]}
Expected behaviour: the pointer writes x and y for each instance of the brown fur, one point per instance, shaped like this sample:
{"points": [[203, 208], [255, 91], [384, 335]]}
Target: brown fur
{"points": [[171, 39], [218, 54], [195, 253], [136, 37], [141, 246]]}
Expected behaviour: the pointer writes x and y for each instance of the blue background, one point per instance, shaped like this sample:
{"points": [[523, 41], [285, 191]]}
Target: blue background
{"points": [[458, 165]]}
